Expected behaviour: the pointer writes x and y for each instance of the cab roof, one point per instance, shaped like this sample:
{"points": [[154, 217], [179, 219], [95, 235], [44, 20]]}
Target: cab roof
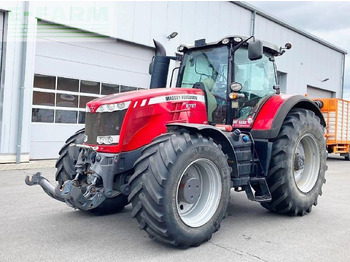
{"points": [[270, 48]]}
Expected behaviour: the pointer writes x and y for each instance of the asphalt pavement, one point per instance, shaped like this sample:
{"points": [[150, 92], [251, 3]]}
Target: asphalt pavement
{"points": [[35, 227]]}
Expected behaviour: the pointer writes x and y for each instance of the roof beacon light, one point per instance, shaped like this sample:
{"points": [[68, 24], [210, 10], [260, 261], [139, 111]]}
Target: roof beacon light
{"points": [[225, 41], [238, 39]]}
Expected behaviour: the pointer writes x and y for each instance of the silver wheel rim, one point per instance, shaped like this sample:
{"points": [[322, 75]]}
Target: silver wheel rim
{"points": [[306, 163], [198, 192]]}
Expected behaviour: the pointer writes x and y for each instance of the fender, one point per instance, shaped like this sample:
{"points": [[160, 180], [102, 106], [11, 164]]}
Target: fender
{"points": [[217, 135], [270, 118]]}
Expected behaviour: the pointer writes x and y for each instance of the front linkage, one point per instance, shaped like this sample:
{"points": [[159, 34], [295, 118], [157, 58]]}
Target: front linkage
{"points": [[90, 186]]}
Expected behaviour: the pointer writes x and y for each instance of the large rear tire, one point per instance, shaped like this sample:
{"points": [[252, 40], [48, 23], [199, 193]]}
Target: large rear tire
{"points": [[180, 189], [298, 164], [68, 157]]}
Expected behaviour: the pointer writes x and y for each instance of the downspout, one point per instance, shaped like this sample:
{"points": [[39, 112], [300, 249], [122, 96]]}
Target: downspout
{"points": [[252, 25], [342, 78], [22, 83]]}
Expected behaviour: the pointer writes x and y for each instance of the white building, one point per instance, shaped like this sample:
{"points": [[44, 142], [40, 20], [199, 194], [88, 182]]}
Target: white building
{"points": [[56, 56]]}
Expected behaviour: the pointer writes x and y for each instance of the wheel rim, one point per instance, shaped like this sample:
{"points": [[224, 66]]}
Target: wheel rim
{"points": [[306, 163], [198, 192]]}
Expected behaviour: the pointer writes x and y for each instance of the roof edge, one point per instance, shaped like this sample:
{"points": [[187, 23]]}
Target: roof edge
{"points": [[285, 24]]}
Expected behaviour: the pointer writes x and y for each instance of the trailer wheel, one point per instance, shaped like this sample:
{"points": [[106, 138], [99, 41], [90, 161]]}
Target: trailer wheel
{"points": [[298, 164], [68, 157], [180, 189]]}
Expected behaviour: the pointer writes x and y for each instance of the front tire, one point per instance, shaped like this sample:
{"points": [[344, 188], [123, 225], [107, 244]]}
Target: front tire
{"points": [[66, 171], [180, 189], [298, 164]]}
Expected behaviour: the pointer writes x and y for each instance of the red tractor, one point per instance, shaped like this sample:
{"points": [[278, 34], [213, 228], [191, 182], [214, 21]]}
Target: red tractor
{"points": [[175, 153]]}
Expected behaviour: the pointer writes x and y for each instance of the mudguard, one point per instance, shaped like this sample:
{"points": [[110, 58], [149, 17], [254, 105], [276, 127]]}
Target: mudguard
{"points": [[216, 135], [269, 120]]}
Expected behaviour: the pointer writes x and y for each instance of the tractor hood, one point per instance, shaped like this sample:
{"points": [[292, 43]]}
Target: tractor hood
{"points": [[143, 98], [128, 121]]}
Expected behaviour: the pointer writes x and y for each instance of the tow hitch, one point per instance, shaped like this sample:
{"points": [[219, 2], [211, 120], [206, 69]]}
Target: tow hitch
{"points": [[70, 192], [49, 189]]}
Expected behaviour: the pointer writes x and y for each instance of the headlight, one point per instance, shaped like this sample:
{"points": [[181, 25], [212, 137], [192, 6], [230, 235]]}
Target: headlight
{"points": [[107, 140], [113, 107], [236, 87], [181, 48], [225, 41], [238, 39]]}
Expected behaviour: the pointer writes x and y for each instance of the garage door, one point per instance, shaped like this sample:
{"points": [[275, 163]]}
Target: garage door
{"points": [[313, 92], [73, 67]]}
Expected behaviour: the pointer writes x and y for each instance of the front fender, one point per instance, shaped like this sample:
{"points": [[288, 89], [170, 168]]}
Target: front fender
{"points": [[217, 135], [271, 116]]}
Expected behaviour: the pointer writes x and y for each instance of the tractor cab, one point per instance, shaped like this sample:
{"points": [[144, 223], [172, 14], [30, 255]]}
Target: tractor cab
{"points": [[235, 75]]}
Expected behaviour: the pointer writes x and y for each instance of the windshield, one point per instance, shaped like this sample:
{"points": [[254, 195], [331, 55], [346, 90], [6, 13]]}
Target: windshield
{"points": [[208, 67], [257, 78], [203, 64]]}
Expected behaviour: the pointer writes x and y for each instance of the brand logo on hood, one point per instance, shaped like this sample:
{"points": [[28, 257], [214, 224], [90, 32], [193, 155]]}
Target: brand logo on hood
{"points": [[92, 108]]}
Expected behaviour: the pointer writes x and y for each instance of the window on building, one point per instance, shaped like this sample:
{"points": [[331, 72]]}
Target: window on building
{"points": [[127, 88], [108, 89], [45, 82], [63, 100], [89, 87], [68, 84]]}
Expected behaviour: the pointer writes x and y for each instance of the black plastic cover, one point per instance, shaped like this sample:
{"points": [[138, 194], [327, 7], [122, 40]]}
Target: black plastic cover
{"points": [[103, 124]]}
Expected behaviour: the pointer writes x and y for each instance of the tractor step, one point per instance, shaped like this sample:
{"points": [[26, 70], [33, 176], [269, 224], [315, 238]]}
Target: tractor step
{"points": [[262, 193]]}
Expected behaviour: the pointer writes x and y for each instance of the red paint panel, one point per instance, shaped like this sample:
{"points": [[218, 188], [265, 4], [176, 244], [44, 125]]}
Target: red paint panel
{"points": [[140, 95], [142, 128], [150, 111], [267, 114]]}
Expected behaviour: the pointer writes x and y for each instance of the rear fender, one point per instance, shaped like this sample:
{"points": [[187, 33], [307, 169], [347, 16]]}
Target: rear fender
{"points": [[269, 120], [218, 136]]}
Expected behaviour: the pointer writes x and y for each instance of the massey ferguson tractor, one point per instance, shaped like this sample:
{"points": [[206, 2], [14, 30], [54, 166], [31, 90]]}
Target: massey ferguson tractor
{"points": [[175, 153]]}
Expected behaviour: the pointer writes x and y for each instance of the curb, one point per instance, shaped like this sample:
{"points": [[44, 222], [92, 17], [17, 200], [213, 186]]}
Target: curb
{"points": [[29, 165]]}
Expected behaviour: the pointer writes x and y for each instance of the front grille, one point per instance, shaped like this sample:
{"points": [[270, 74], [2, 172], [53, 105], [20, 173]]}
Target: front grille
{"points": [[103, 124]]}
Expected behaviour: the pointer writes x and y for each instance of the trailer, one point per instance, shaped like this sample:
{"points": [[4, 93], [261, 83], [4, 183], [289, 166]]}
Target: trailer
{"points": [[336, 112]]}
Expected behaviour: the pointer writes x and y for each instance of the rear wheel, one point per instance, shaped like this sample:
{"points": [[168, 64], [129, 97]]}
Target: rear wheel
{"points": [[66, 171], [180, 189], [298, 164]]}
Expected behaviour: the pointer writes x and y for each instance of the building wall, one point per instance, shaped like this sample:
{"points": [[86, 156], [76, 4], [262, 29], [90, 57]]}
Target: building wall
{"points": [[306, 64], [17, 26], [84, 58]]}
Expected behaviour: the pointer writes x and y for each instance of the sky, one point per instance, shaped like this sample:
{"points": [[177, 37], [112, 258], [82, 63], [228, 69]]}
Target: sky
{"points": [[328, 20]]}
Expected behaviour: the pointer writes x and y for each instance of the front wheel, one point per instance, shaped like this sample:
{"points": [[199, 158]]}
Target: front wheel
{"points": [[298, 164], [180, 189]]}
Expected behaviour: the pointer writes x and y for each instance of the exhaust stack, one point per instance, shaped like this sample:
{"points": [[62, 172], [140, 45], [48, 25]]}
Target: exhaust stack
{"points": [[159, 67]]}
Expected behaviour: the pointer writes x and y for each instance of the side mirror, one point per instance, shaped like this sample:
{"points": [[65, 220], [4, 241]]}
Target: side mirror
{"points": [[255, 50]]}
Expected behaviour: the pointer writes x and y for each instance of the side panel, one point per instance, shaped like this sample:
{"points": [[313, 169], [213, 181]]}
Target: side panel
{"points": [[147, 121], [270, 118]]}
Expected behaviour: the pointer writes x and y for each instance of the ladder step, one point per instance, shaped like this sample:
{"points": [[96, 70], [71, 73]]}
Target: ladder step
{"points": [[264, 194]]}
